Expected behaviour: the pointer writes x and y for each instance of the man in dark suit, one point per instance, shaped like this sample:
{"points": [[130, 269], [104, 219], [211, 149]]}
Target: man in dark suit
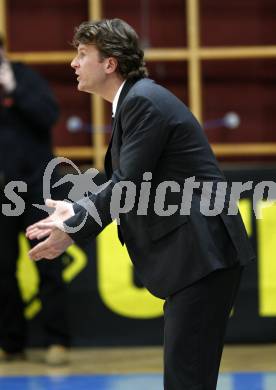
{"points": [[192, 260]]}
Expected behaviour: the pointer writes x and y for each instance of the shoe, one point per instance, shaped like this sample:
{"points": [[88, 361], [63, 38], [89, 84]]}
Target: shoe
{"points": [[11, 356], [57, 355]]}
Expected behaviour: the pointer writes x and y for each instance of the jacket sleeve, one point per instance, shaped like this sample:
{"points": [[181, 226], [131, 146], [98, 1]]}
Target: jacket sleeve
{"points": [[34, 99], [144, 137]]}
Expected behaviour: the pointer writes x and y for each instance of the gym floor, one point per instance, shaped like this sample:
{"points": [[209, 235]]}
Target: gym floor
{"points": [[242, 368]]}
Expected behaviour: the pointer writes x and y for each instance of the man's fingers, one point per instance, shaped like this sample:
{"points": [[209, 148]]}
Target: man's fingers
{"points": [[43, 234], [43, 250], [45, 225], [43, 229], [32, 234], [32, 229], [34, 226], [43, 255], [38, 252], [37, 231], [38, 234], [51, 203]]}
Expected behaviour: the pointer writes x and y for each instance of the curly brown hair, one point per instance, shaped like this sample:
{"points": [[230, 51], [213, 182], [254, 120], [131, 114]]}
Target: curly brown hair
{"points": [[114, 38]]}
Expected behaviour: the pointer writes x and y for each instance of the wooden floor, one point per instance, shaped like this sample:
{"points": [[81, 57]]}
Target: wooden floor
{"points": [[136, 360]]}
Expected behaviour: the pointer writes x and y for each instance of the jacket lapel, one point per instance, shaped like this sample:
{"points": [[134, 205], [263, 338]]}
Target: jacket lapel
{"points": [[128, 85], [123, 94]]}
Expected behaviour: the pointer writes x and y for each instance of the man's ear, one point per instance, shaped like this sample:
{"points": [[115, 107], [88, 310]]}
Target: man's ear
{"points": [[111, 65]]}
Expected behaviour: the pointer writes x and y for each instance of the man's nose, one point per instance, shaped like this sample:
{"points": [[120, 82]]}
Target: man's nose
{"points": [[74, 63]]}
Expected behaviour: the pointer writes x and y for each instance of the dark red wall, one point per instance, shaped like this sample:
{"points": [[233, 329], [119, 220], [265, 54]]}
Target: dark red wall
{"points": [[247, 87]]}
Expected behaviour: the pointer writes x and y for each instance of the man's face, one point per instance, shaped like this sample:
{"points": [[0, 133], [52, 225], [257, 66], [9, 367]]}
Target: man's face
{"points": [[90, 69]]}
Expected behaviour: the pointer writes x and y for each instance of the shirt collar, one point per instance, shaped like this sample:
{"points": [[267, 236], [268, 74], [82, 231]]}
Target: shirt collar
{"points": [[116, 99]]}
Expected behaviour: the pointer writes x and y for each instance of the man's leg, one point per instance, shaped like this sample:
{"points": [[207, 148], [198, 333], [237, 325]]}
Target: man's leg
{"points": [[52, 289], [53, 296], [12, 321], [195, 325]]}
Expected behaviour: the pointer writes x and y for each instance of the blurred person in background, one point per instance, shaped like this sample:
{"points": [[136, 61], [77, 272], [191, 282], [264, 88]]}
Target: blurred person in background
{"points": [[28, 110]]}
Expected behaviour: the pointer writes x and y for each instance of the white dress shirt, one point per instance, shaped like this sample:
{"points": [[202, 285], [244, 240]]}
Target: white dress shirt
{"points": [[116, 99]]}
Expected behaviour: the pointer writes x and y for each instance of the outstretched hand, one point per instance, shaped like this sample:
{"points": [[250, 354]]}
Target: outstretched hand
{"points": [[51, 228]]}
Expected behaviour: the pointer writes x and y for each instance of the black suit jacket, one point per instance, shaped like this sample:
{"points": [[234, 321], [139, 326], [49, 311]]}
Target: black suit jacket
{"points": [[155, 132]]}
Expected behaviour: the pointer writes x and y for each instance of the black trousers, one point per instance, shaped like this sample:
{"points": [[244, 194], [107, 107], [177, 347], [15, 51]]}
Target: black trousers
{"points": [[195, 325], [52, 290]]}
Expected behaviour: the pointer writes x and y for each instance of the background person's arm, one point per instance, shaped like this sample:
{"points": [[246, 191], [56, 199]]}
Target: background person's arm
{"points": [[34, 99]]}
